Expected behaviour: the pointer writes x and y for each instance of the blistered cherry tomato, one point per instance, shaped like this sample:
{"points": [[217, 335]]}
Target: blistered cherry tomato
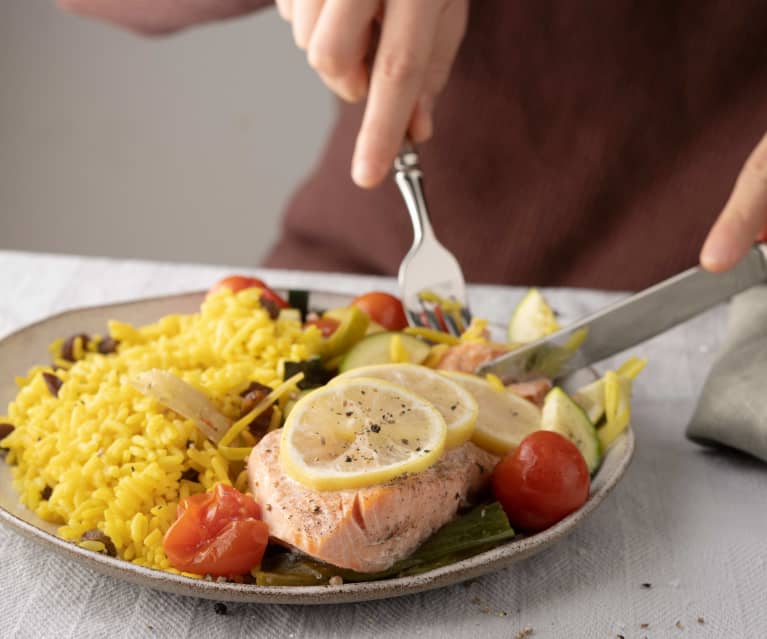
{"points": [[543, 480], [327, 325], [237, 283], [383, 309], [219, 533]]}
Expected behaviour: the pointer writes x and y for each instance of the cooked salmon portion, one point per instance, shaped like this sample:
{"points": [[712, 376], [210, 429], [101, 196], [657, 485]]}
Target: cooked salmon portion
{"points": [[366, 529], [467, 356], [535, 390]]}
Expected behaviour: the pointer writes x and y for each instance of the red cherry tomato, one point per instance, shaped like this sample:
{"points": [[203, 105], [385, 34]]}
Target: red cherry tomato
{"points": [[218, 533], [327, 325], [384, 309], [237, 283], [542, 481]]}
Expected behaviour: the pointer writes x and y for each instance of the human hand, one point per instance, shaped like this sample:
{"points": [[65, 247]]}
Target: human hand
{"points": [[743, 219], [412, 59], [156, 17]]}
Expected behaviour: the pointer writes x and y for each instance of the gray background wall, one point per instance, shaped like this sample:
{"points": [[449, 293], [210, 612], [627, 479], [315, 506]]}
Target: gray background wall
{"points": [[182, 148]]}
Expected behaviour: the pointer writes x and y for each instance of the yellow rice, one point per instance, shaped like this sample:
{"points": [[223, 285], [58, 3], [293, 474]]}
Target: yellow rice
{"points": [[113, 458]]}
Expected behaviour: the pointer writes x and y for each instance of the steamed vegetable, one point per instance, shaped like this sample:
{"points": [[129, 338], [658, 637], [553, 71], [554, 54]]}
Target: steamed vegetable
{"points": [[384, 309], [236, 283], [173, 392], [477, 530], [382, 348], [562, 415], [217, 533], [542, 481]]}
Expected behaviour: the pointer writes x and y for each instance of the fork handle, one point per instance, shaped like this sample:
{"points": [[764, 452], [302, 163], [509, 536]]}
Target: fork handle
{"points": [[409, 178]]}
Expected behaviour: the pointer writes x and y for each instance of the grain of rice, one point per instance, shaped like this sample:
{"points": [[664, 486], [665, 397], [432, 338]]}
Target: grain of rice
{"points": [[113, 458]]}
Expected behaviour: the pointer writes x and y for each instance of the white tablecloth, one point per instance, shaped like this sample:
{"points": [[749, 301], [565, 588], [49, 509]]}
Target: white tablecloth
{"points": [[680, 546]]}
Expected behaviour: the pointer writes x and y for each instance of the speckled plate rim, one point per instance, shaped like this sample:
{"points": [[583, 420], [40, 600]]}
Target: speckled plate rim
{"points": [[19, 350]]}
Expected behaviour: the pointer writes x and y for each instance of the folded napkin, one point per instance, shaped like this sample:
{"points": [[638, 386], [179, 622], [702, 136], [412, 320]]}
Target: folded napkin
{"points": [[732, 409]]}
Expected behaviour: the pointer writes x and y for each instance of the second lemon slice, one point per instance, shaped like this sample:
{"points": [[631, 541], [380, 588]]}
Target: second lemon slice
{"points": [[456, 404], [359, 432], [504, 418]]}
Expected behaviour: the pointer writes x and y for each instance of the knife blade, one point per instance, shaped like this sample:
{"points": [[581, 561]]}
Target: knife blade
{"points": [[629, 322]]}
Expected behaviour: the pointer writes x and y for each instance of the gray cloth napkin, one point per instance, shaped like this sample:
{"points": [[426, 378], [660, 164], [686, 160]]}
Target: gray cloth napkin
{"points": [[732, 409]]}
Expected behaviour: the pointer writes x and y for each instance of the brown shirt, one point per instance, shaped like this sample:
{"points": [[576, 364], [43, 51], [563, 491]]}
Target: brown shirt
{"points": [[577, 144]]}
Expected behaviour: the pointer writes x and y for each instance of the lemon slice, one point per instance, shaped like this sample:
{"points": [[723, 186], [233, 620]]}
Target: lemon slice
{"points": [[504, 418], [359, 432], [532, 319], [456, 404]]}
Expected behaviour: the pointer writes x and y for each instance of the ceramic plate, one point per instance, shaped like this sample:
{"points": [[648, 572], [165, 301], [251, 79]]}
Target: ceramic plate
{"points": [[29, 346]]}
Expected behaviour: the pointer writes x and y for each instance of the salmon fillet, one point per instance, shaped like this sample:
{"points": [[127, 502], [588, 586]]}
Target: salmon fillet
{"points": [[467, 356], [366, 529], [534, 391]]}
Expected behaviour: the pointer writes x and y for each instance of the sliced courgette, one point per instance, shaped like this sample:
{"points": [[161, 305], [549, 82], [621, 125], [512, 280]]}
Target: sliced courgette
{"points": [[377, 349], [532, 319], [562, 415]]}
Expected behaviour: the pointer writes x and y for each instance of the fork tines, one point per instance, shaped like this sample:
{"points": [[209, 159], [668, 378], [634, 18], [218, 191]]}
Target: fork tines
{"points": [[432, 315]]}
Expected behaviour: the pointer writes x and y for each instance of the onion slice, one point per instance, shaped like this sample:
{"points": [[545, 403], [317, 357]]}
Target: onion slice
{"points": [[173, 392]]}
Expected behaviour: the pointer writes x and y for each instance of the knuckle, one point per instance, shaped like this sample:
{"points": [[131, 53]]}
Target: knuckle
{"points": [[398, 68], [326, 60]]}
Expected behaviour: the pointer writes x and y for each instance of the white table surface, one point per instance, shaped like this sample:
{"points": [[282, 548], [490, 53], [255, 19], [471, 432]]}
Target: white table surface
{"points": [[690, 522]]}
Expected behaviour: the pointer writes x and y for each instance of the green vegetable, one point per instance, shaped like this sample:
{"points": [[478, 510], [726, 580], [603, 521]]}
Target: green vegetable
{"points": [[563, 415], [351, 330], [314, 372], [299, 300], [532, 319], [477, 530], [376, 349]]}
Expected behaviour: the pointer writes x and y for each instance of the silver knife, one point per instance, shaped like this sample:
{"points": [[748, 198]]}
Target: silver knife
{"points": [[629, 321]]}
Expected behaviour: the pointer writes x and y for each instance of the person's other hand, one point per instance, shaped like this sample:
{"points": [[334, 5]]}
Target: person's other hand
{"points": [[743, 219], [412, 58], [157, 17]]}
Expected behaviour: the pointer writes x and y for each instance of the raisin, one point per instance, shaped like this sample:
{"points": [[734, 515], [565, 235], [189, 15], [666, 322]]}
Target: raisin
{"points": [[5, 430], [256, 386], [270, 306], [190, 474], [96, 535], [53, 383], [68, 347], [108, 345]]}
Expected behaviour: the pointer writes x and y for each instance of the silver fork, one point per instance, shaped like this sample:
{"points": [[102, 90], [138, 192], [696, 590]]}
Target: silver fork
{"points": [[431, 282]]}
